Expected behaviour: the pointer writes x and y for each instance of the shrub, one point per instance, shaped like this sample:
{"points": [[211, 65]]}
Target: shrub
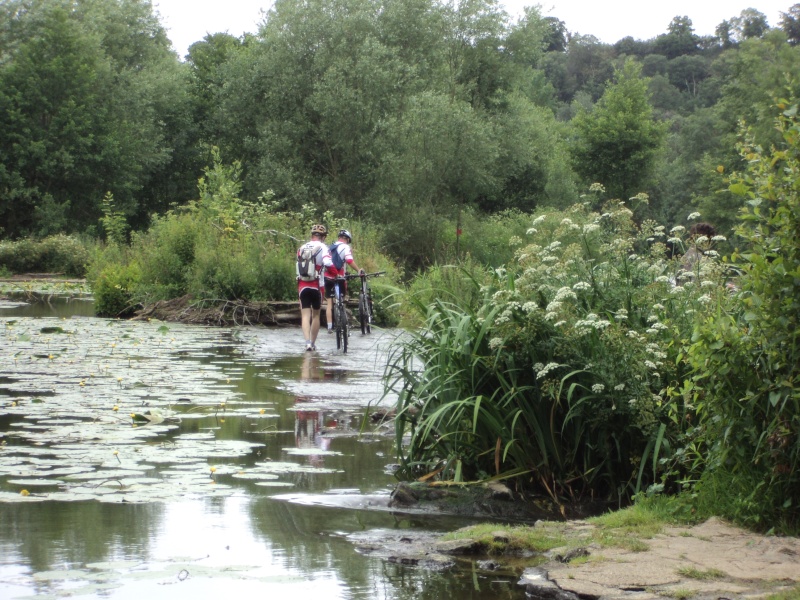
{"points": [[554, 369], [114, 289], [59, 254], [746, 354]]}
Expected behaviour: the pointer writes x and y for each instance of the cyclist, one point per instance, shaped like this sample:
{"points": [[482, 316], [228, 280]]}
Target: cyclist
{"points": [[344, 258], [313, 258]]}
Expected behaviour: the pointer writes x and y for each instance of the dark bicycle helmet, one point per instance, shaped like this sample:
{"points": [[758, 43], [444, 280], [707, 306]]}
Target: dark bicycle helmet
{"points": [[346, 234], [319, 230]]}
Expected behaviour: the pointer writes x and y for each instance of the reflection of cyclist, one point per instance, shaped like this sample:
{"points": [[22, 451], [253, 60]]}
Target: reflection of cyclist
{"points": [[310, 290], [310, 369], [345, 257]]}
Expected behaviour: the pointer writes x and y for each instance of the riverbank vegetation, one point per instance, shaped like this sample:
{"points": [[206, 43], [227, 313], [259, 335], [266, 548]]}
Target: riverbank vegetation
{"points": [[530, 192], [593, 365]]}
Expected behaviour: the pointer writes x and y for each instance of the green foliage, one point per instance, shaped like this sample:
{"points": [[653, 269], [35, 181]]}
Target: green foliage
{"points": [[113, 222], [746, 354], [554, 369], [114, 289], [60, 254], [618, 141], [220, 247], [90, 101]]}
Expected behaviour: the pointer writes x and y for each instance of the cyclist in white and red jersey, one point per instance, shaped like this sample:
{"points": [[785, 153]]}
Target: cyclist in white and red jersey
{"points": [[342, 248], [310, 292]]}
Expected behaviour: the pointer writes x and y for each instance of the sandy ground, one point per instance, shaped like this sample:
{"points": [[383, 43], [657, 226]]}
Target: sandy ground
{"points": [[711, 560]]}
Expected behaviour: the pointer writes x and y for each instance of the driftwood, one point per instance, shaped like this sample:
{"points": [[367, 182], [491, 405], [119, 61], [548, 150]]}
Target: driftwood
{"points": [[186, 309]]}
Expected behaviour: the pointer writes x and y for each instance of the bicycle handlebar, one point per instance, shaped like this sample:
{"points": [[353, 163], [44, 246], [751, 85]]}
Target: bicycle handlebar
{"points": [[359, 276]]}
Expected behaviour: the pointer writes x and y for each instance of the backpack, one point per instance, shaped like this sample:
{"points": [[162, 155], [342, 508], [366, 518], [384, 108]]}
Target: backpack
{"points": [[307, 264], [337, 259]]}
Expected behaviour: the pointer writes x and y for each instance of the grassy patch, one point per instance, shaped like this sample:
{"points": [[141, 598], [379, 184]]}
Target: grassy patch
{"points": [[513, 539], [792, 594], [701, 574], [678, 594]]}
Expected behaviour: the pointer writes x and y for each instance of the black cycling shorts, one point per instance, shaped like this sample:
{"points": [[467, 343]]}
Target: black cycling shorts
{"points": [[310, 298], [330, 292]]}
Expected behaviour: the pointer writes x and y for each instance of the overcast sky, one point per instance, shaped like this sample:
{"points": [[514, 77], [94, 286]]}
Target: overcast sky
{"points": [[188, 21]]}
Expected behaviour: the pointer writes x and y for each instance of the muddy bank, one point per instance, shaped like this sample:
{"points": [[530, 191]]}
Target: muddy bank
{"points": [[490, 501], [187, 309]]}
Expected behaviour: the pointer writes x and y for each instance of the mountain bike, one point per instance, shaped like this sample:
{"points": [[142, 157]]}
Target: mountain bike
{"points": [[365, 314], [340, 323]]}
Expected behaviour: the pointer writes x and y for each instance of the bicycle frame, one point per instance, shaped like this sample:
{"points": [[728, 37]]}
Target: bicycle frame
{"points": [[365, 300]]}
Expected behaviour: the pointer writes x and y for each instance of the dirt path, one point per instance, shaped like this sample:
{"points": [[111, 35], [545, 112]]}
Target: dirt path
{"points": [[711, 560]]}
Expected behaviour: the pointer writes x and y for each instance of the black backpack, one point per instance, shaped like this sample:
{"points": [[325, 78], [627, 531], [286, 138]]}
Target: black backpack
{"points": [[307, 263]]}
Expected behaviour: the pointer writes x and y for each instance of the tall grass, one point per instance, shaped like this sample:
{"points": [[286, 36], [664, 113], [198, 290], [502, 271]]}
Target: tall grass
{"points": [[219, 248]]}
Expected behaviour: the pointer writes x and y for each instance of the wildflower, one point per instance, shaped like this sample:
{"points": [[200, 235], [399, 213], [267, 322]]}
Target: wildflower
{"points": [[590, 227], [677, 229], [650, 364], [704, 299], [546, 369], [529, 307], [539, 219], [566, 221], [693, 216], [559, 324], [662, 279], [658, 307], [598, 387], [619, 387], [700, 240], [514, 240], [581, 285], [719, 238], [597, 187], [676, 290], [675, 240], [711, 253], [531, 231], [551, 316], [565, 293], [706, 283], [495, 343], [553, 306]]}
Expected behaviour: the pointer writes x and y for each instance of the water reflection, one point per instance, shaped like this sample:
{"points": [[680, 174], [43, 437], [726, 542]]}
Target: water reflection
{"points": [[281, 414]]}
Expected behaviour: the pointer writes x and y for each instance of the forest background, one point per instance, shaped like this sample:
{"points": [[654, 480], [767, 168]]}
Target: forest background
{"points": [[445, 133]]}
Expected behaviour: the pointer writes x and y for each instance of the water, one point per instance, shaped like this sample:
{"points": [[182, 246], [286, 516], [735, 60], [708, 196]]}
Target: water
{"points": [[244, 469]]}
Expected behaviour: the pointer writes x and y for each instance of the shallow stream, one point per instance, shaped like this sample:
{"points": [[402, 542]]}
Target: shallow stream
{"points": [[157, 460]]}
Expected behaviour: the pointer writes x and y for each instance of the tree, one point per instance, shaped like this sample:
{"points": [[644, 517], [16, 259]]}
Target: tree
{"points": [[790, 23], [618, 141], [679, 39], [92, 100], [749, 24]]}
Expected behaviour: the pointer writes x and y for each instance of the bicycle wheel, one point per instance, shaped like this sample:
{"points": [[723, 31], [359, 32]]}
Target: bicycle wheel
{"points": [[342, 333], [337, 326], [340, 324], [369, 312], [363, 316]]}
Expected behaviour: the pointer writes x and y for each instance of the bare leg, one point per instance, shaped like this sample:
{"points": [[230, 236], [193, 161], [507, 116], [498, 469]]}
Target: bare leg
{"points": [[305, 322], [314, 326], [329, 312]]}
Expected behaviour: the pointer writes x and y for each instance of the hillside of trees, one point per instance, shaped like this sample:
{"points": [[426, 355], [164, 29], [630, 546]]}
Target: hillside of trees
{"points": [[403, 113]]}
